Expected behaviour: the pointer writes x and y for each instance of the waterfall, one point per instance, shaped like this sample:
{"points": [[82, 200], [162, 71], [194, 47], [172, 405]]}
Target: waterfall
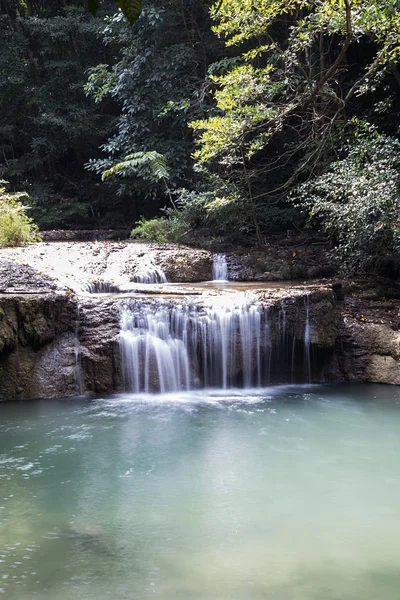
{"points": [[167, 347], [154, 347], [307, 356], [151, 275], [220, 268], [100, 287]]}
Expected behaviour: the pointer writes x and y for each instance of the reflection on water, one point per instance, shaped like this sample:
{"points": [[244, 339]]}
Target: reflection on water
{"points": [[286, 493]]}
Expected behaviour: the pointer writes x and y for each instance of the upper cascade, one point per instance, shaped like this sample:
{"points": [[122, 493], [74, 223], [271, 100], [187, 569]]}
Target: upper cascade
{"points": [[99, 287], [220, 268], [152, 274]]}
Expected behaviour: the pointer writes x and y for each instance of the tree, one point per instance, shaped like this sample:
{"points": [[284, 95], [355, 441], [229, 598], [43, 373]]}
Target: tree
{"points": [[159, 83], [357, 200], [300, 74], [48, 128]]}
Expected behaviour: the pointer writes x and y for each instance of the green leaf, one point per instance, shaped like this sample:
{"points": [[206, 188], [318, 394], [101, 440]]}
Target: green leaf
{"points": [[93, 6], [131, 9], [148, 165]]}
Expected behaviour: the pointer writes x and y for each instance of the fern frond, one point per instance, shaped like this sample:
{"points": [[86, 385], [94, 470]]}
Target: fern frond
{"points": [[147, 165]]}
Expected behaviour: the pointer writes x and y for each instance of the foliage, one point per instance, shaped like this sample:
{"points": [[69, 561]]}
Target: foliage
{"points": [[16, 227], [159, 84], [151, 166], [280, 104], [357, 201], [48, 128], [160, 229], [222, 112], [130, 8]]}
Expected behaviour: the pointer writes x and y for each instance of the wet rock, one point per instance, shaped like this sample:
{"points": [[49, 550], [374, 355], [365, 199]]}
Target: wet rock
{"points": [[21, 278], [280, 264], [33, 338], [53, 374], [59, 344], [185, 265], [71, 264], [98, 329], [368, 324], [369, 352], [52, 347], [76, 265]]}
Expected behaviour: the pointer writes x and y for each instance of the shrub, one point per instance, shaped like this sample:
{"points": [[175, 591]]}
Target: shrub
{"points": [[16, 227], [357, 201], [161, 229]]}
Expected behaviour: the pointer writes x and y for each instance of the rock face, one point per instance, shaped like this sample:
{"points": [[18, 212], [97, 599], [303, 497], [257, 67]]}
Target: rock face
{"points": [[36, 343], [369, 324], [50, 347], [280, 263], [185, 265], [83, 235], [97, 338], [16, 278]]}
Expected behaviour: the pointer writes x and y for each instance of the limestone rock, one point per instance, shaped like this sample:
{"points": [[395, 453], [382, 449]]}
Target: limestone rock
{"points": [[184, 265]]}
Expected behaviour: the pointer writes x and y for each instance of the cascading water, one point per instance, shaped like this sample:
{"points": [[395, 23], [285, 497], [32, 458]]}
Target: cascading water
{"points": [[154, 350], [173, 347], [100, 287], [220, 268], [151, 275], [307, 355]]}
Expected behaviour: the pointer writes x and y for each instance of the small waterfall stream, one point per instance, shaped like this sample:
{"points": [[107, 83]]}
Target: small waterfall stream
{"points": [[100, 287], [307, 355], [78, 374], [220, 268], [179, 347], [150, 275]]}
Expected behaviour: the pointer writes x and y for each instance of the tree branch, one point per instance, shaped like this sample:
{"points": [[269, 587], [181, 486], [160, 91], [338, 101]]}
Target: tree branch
{"points": [[339, 59]]}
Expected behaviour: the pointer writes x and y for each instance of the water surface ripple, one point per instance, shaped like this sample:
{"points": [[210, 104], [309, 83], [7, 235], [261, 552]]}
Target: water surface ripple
{"points": [[285, 493]]}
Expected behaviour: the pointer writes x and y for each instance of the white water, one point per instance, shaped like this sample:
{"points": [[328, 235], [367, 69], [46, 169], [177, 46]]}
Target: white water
{"points": [[147, 275], [307, 340], [151, 275], [100, 287], [169, 348], [153, 353], [220, 268]]}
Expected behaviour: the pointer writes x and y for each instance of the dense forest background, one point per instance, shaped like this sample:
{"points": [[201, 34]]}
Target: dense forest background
{"points": [[231, 121]]}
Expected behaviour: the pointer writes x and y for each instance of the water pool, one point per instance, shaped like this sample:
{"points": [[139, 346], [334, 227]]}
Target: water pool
{"points": [[285, 493]]}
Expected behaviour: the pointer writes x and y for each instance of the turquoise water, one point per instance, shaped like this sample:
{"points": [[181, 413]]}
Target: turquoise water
{"points": [[290, 493]]}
